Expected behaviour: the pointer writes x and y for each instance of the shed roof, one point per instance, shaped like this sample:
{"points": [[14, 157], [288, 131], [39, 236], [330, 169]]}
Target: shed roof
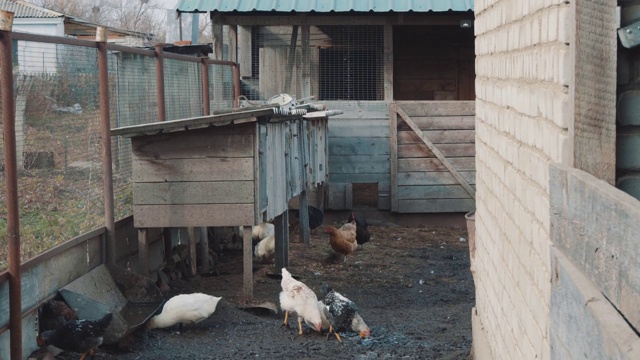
{"points": [[325, 6], [23, 9]]}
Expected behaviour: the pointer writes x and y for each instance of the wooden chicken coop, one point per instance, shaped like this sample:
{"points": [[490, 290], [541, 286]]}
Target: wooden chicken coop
{"points": [[236, 168]]}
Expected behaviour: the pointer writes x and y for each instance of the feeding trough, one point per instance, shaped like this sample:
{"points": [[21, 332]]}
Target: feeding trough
{"points": [[132, 299]]}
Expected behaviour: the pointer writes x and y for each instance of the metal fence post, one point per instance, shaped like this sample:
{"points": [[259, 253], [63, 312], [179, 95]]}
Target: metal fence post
{"points": [[11, 177], [162, 112], [206, 99], [105, 127]]}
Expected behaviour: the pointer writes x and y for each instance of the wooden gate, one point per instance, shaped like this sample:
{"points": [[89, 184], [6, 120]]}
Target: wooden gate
{"points": [[432, 156]]}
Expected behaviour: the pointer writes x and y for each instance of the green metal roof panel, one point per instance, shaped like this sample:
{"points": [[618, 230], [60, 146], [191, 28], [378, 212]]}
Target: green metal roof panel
{"points": [[324, 5]]}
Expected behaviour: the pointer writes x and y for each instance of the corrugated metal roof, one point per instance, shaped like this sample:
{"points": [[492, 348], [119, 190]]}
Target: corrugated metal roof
{"points": [[23, 9], [325, 5]]}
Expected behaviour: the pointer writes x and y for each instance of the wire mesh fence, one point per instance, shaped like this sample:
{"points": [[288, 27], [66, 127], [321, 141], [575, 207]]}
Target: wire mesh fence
{"points": [[344, 62], [58, 139]]}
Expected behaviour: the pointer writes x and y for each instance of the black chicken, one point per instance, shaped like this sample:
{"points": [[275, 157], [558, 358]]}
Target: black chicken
{"points": [[81, 336], [53, 314], [362, 231], [343, 314], [316, 216]]}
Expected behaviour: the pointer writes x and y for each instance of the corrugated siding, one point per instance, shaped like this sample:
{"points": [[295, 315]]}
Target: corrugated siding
{"points": [[25, 10], [325, 5]]}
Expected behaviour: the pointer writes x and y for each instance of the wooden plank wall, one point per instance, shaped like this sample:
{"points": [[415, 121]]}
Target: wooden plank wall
{"points": [[202, 177], [441, 68], [276, 170], [423, 182], [358, 150]]}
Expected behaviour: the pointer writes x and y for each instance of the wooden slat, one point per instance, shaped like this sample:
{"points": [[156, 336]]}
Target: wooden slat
{"points": [[193, 215], [359, 128], [204, 249], [360, 164], [198, 144], [178, 193], [219, 117], [244, 51], [417, 85], [436, 205], [192, 250], [359, 178], [384, 196], [358, 146], [437, 136], [422, 192], [434, 178], [438, 108], [143, 251], [359, 109], [437, 153], [393, 157], [441, 123], [434, 164], [176, 170], [449, 150]]}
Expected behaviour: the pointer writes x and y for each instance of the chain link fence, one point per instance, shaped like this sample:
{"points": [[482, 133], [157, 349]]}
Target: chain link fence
{"points": [[59, 150]]}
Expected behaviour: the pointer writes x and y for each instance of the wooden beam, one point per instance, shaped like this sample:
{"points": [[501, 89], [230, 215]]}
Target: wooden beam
{"points": [[393, 154], [388, 62], [337, 19], [247, 256], [281, 225], [233, 43], [306, 61], [204, 250], [291, 59], [143, 252], [437, 152], [244, 51], [192, 250]]}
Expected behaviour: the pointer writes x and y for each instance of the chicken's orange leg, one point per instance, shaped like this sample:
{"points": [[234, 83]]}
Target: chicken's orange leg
{"points": [[83, 356], [331, 330], [286, 319], [299, 325]]}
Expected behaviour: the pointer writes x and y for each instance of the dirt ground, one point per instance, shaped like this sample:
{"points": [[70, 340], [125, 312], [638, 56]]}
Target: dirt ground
{"points": [[412, 284]]}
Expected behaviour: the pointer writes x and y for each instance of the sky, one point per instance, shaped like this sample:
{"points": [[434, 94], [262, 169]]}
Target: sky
{"points": [[168, 4]]}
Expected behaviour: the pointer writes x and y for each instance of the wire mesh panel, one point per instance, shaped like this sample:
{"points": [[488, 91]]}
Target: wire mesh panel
{"points": [[58, 145], [133, 97], [183, 89], [339, 62], [221, 86]]}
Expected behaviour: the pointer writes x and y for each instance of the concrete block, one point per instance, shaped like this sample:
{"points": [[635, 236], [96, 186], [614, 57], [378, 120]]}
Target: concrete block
{"points": [[628, 108], [630, 184], [628, 151]]}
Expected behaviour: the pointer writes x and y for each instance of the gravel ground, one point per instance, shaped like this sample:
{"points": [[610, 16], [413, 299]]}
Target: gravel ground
{"points": [[412, 284]]}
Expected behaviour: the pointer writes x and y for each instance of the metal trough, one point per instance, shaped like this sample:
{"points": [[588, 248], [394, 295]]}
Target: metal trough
{"points": [[132, 299]]}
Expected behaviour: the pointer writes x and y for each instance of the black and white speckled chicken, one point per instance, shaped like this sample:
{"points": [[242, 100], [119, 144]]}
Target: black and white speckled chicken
{"points": [[343, 314], [81, 336]]}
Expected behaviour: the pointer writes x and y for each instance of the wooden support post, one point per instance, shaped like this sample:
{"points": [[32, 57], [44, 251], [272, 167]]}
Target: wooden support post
{"points": [[304, 167], [281, 225], [143, 252], [306, 62], [247, 255], [291, 60], [168, 243], [244, 51], [216, 31], [388, 62], [233, 43], [204, 250], [393, 154], [192, 250]]}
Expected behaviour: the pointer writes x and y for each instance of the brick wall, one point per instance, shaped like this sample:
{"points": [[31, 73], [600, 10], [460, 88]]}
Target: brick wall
{"points": [[523, 68]]}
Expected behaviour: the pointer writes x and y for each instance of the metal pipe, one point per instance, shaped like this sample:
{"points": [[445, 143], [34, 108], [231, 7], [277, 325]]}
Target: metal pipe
{"points": [[162, 112], [105, 127], [236, 85], [206, 99], [11, 179]]}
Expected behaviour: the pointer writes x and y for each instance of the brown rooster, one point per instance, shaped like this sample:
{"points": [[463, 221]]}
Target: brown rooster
{"points": [[343, 240]]}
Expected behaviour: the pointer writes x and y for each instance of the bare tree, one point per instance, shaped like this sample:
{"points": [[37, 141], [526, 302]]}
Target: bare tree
{"points": [[136, 15]]}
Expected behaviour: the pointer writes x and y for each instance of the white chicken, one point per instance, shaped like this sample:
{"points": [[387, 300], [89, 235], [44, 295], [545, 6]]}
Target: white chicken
{"points": [[184, 309], [266, 248], [299, 298], [260, 231], [324, 315]]}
